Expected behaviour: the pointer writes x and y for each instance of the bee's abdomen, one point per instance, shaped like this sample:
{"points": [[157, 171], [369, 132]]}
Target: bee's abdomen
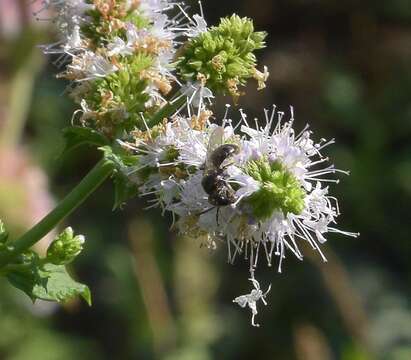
{"points": [[211, 181], [222, 197]]}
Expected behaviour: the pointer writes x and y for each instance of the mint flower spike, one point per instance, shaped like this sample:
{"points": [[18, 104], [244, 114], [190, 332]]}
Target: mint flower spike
{"points": [[118, 57], [65, 248], [277, 177], [271, 188], [221, 59]]}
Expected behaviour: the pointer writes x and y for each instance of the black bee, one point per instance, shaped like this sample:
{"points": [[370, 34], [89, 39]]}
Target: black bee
{"points": [[220, 192]]}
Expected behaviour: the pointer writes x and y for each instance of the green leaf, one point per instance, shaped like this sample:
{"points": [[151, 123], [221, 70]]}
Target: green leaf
{"points": [[47, 282], [59, 285], [124, 189], [77, 135]]}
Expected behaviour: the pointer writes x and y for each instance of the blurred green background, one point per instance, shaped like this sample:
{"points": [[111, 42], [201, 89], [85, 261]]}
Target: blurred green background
{"points": [[345, 66]]}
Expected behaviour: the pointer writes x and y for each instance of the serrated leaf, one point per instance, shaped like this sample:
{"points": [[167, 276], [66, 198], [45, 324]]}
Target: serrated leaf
{"points": [[77, 135], [60, 286], [48, 282]]}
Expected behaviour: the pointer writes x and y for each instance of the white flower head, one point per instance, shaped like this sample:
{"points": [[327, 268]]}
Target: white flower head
{"points": [[275, 182]]}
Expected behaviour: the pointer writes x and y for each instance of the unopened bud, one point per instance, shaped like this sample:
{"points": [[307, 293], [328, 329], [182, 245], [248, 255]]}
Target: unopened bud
{"points": [[224, 55], [64, 249]]}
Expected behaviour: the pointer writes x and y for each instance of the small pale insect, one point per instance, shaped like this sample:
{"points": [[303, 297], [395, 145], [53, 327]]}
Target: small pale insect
{"points": [[252, 298]]}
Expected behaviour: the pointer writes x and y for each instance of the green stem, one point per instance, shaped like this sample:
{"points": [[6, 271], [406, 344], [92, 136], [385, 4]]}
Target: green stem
{"points": [[75, 198]]}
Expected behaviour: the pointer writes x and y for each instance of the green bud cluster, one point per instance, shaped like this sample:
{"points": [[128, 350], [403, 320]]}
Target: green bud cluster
{"points": [[117, 102], [64, 249], [119, 98], [280, 190], [224, 55]]}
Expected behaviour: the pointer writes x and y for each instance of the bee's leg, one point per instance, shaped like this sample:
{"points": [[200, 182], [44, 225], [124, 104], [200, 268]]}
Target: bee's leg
{"points": [[217, 215]]}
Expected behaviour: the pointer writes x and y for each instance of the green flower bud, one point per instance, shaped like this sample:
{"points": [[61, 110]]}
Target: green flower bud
{"points": [[280, 190], [64, 249], [223, 57], [118, 99]]}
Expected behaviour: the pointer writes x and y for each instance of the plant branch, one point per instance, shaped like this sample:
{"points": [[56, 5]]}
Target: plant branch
{"points": [[74, 199], [77, 196]]}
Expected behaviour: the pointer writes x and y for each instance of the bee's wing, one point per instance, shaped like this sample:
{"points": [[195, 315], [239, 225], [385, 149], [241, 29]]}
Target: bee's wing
{"points": [[216, 139]]}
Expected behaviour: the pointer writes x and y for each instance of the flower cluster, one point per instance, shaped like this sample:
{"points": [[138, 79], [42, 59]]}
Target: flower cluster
{"points": [[141, 71], [268, 192], [118, 58], [121, 55], [222, 58], [261, 190]]}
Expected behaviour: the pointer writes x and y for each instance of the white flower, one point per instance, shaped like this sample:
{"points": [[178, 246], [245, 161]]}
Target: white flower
{"points": [[198, 25], [120, 47], [163, 28], [247, 184], [193, 199], [69, 12], [251, 299], [196, 93], [151, 7], [89, 66]]}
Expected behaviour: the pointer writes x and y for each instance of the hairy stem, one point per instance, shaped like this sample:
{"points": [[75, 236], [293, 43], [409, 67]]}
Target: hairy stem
{"points": [[75, 198]]}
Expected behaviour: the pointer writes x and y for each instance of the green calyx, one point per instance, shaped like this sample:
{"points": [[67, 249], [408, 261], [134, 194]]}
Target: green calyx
{"points": [[64, 249], [280, 190], [171, 154], [223, 57]]}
